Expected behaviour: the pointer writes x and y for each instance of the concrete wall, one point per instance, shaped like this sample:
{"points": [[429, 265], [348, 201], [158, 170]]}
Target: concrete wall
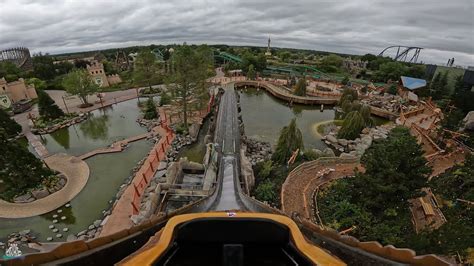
{"points": [[114, 79], [18, 90]]}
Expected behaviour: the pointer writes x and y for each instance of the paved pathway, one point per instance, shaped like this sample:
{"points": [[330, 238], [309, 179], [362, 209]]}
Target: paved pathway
{"points": [[119, 219], [77, 174]]}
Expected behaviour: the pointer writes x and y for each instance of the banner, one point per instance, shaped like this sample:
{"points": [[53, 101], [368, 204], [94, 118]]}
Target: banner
{"points": [[5, 102]]}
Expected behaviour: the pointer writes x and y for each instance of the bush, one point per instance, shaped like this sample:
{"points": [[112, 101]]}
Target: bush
{"points": [[265, 191], [150, 112], [164, 98]]}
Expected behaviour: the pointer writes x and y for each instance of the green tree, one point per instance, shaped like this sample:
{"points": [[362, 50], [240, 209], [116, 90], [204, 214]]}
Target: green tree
{"points": [[289, 141], [351, 126], [300, 87], [438, 88], [348, 94], [377, 200], [390, 71], [463, 96], [79, 82], [189, 77], [164, 98], [392, 89], [396, 171], [47, 107], [10, 127], [331, 63], [251, 73], [19, 169], [150, 110], [266, 191], [265, 170], [261, 62], [284, 56], [146, 67], [38, 83], [10, 71], [345, 80], [43, 66]]}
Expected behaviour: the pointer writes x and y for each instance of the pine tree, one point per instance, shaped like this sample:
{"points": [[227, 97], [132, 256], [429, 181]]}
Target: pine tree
{"points": [[150, 111], [251, 72], [300, 87], [47, 107], [19, 169], [11, 127], [289, 141]]}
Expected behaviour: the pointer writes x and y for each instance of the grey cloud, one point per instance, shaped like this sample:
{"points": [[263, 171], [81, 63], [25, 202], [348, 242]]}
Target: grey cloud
{"points": [[444, 28]]}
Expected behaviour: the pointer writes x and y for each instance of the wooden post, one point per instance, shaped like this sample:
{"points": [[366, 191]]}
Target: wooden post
{"points": [[136, 190], [144, 177], [135, 209], [151, 166]]}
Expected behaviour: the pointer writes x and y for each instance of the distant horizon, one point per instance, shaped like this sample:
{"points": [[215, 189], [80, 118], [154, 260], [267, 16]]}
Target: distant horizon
{"points": [[230, 45], [444, 28]]}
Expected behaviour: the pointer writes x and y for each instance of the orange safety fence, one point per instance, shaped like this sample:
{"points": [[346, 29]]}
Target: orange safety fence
{"points": [[150, 166]]}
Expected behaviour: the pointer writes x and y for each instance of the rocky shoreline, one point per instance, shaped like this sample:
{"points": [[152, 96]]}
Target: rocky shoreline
{"points": [[64, 124], [257, 151], [42, 192], [355, 148]]}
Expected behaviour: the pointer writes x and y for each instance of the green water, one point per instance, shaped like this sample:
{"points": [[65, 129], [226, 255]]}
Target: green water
{"points": [[108, 172], [196, 151], [104, 127], [264, 116]]}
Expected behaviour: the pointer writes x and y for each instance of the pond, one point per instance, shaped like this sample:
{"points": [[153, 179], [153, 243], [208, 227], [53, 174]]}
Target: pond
{"points": [[104, 182], [107, 172], [264, 116], [103, 127]]}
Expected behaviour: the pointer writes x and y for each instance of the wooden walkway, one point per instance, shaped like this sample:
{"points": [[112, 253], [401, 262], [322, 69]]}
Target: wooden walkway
{"points": [[37, 145], [116, 146]]}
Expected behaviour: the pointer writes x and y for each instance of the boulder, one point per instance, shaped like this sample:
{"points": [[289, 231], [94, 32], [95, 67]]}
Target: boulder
{"points": [[367, 140], [331, 138], [343, 142], [319, 153], [23, 198], [82, 233], [346, 156], [469, 121], [97, 223], [71, 238], [39, 194], [329, 152], [62, 182]]}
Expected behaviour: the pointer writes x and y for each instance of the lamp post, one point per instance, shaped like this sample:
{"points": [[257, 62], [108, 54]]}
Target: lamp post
{"points": [[65, 105]]}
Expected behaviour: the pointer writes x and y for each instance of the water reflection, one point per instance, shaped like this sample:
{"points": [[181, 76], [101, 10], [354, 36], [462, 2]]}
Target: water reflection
{"points": [[102, 128], [62, 139], [265, 115], [96, 127]]}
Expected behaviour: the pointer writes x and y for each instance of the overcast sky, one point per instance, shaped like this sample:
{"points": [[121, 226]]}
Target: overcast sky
{"points": [[444, 27]]}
